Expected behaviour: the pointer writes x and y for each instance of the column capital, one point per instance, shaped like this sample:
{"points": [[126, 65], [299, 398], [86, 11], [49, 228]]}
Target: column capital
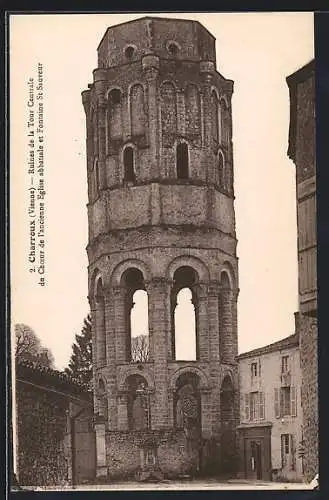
{"points": [[201, 288], [214, 288], [117, 291], [158, 284], [234, 292]]}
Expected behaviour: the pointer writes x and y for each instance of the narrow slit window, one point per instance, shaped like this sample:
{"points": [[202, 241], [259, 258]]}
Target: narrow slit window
{"points": [[182, 161], [128, 160]]}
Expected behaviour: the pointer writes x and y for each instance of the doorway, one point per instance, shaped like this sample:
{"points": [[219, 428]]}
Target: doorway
{"points": [[253, 448]]}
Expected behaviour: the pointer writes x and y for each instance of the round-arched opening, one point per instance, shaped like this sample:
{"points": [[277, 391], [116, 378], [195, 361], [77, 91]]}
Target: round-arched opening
{"points": [[187, 404], [129, 51], [115, 96], [184, 315], [128, 163], [136, 316], [138, 403], [225, 280], [133, 279], [139, 328], [173, 49], [101, 386]]}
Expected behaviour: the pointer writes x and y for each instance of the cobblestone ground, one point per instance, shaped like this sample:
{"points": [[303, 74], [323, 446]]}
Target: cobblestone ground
{"points": [[208, 484]]}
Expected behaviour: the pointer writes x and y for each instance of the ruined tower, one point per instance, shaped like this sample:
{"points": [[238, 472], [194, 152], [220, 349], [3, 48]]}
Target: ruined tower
{"points": [[161, 219]]}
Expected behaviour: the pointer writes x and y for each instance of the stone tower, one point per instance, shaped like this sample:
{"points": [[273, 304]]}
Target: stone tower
{"points": [[161, 218]]}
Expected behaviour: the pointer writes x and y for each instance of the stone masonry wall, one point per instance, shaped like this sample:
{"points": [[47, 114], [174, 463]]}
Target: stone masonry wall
{"points": [[125, 457], [41, 426], [309, 365]]}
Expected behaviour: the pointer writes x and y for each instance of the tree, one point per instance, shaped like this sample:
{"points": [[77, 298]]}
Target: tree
{"points": [[80, 364], [29, 347], [140, 351]]}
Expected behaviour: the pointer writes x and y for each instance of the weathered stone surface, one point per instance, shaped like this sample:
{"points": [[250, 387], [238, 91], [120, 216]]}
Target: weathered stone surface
{"points": [[170, 207]]}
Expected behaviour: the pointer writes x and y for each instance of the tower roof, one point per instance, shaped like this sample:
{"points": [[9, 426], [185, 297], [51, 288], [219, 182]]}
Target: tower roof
{"points": [[153, 35]]}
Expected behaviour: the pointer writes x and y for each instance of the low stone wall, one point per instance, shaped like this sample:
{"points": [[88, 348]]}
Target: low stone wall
{"points": [[126, 453]]}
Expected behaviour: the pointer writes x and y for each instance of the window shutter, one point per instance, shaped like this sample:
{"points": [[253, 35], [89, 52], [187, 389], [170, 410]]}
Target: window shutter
{"points": [[276, 403], [246, 407], [283, 455], [261, 406], [292, 452], [293, 401], [259, 395]]}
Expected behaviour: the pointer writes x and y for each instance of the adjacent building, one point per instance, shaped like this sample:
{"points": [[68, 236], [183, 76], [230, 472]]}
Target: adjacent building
{"points": [[270, 411], [302, 151], [55, 441], [161, 221]]}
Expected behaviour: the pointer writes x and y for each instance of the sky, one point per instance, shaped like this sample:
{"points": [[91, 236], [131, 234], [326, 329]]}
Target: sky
{"points": [[256, 50]]}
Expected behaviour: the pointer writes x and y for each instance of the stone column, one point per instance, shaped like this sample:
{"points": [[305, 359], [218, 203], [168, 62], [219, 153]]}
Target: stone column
{"points": [[206, 406], [159, 320], [214, 349], [122, 404], [111, 358], [226, 332], [213, 320], [202, 322], [120, 322]]}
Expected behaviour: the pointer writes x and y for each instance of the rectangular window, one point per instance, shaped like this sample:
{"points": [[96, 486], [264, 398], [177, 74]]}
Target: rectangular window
{"points": [[254, 405], [261, 406], [285, 449], [285, 401], [254, 370], [246, 407], [293, 402], [288, 451], [284, 364]]}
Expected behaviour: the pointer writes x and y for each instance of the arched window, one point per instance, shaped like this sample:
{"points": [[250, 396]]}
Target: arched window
{"points": [[129, 51], [138, 403], [139, 328], [184, 345], [114, 114], [225, 123], [136, 317], [173, 49], [182, 161], [187, 405], [128, 163]]}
